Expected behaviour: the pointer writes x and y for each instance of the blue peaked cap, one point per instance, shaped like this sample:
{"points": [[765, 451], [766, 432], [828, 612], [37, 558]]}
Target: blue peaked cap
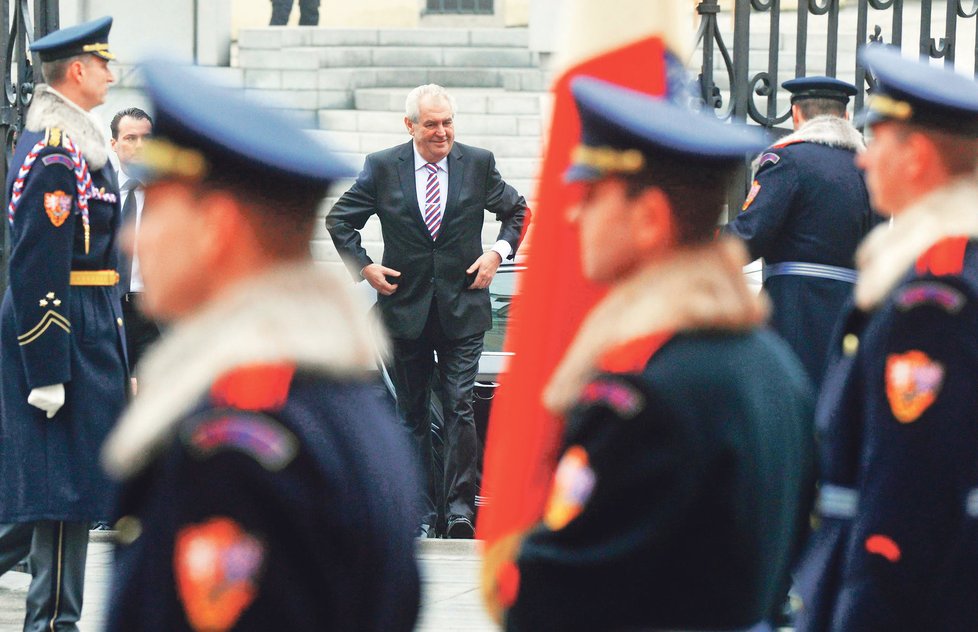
{"points": [[201, 129], [89, 37], [916, 92], [819, 87], [621, 129]]}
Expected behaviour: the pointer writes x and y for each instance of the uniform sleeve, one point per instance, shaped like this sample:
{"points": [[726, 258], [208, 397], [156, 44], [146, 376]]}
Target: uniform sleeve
{"points": [[42, 240], [918, 458], [620, 487], [348, 215], [767, 206], [508, 206]]}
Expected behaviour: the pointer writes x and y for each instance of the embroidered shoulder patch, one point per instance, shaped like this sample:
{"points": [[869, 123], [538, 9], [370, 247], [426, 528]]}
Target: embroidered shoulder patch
{"points": [[754, 190], [254, 387], [913, 382], [928, 293], [261, 438], [946, 257], [573, 484], [217, 565], [57, 204], [769, 158], [58, 159], [620, 397]]}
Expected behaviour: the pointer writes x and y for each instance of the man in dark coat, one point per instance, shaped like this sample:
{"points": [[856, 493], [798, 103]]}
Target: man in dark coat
{"points": [[683, 482], [61, 340], [433, 282], [805, 214], [308, 12], [266, 484], [897, 545]]}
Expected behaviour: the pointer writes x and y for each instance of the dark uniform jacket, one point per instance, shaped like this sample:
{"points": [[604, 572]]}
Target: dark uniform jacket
{"points": [[808, 204], [266, 483], [686, 470], [429, 268], [897, 547], [52, 332]]}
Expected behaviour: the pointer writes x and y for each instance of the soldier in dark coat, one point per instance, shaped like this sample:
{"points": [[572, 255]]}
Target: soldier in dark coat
{"points": [[684, 481], [61, 340], [897, 546], [806, 212], [266, 484]]}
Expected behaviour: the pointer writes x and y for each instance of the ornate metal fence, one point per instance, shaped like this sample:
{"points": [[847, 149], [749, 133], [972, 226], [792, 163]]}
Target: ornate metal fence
{"points": [[743, 82], [19, 77]]}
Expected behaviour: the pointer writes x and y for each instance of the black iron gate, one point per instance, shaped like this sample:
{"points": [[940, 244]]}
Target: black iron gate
{"points": [[19, 76], [743, 88]]}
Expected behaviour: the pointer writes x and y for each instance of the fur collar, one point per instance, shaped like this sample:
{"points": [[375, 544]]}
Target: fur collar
{"points": [[827, 130], [696, 289], [50, 108], [892, 247], [295, 313]]}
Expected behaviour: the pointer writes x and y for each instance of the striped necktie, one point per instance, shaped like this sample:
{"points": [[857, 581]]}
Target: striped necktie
{"points": [[432, 201]]}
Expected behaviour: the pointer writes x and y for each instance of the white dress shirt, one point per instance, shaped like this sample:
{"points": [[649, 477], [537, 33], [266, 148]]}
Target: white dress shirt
{"points": [[136, 280], [501, 247]]}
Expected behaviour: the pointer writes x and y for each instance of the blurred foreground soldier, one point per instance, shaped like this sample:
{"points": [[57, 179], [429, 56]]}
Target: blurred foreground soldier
{"points": [[61, 341], [683, 482], [266, 485], [897, 548], [805, 214]]}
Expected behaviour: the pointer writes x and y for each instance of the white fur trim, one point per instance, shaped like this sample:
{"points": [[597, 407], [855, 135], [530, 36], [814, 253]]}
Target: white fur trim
{"points": [[50, 108], [696, 288], [295, 313], [891, 248], [827, 130]]}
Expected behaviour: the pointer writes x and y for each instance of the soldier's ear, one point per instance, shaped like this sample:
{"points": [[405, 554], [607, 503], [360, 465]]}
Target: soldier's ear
{"points": [[654, 226]]}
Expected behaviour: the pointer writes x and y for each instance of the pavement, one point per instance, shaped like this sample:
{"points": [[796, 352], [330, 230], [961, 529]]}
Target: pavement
{"points": [[449, 574]]}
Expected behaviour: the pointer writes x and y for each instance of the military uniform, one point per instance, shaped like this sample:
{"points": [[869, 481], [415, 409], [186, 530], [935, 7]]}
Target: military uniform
{"points": [[683, 482], [60, 324], [897, 543], [805, 214], [265, 482]]}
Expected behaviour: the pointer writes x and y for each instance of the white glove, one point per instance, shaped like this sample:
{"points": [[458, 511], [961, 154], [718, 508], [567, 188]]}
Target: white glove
{"points": [[49, 398]]}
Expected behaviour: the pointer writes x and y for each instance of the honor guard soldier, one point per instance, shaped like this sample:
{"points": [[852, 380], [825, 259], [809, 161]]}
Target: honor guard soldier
{"points": [[683, 481], [61, 341], [266, 484], [806, 212], [897, 546]]}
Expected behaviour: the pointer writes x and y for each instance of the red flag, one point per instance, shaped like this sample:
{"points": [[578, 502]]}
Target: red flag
{"points": [[554, 296]]}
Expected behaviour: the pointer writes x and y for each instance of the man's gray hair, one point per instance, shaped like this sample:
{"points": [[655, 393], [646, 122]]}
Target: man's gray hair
{"points": [[412, 105]]}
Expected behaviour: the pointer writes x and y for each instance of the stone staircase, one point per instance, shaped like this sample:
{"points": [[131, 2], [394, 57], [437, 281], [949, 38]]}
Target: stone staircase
{"points": [[349, 85]]}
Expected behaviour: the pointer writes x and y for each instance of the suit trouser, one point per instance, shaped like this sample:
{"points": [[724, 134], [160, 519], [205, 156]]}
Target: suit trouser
{"points": [[141, 332], [308, 12], [56, 553], [457, 366]]}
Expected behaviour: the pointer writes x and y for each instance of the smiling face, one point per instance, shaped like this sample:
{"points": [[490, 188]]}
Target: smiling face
{"points": [[434, 133]]}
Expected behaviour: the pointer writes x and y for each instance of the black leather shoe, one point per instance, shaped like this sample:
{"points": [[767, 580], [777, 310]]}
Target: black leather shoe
{"points": [[460, 528], [422, 532]]}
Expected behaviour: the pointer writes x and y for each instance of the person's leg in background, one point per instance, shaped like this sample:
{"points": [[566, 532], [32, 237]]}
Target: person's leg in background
{"points": [[280, 12], [308, 12], [57, 562]]}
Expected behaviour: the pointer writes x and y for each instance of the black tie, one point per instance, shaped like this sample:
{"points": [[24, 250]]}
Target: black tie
{"points": [[128, 215]]}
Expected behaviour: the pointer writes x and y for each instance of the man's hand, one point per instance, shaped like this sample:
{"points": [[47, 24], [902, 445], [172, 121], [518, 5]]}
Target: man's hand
{"points": [[49, 398], [376, 274], [486, 267]]}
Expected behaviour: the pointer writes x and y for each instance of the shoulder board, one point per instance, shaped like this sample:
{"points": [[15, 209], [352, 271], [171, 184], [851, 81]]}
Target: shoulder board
{"points": [[53, 137], [259, 437], [786, 143], [254, 387], [944, 258]]}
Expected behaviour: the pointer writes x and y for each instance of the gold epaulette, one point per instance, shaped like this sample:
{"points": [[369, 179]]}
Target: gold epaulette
{"points": [[53, 137]]}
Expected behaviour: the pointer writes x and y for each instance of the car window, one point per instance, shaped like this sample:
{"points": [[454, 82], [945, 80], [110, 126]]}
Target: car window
{"points": [[501, 291]]}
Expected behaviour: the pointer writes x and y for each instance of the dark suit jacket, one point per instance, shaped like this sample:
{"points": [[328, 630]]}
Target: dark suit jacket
{"points": [[429, 268]]}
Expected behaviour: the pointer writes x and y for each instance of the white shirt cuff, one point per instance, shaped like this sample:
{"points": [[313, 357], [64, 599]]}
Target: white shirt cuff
{"points": [[503, 248]]}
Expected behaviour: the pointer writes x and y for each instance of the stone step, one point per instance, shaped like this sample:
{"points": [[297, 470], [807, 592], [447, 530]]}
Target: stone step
{"points": [[367, 142], [393, 123], [385, 56], [275, 38], [468, 101]]}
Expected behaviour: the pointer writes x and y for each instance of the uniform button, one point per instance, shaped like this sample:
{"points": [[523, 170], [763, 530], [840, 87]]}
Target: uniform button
{"points": [[118, 321], [129, 529], [850, 344]]}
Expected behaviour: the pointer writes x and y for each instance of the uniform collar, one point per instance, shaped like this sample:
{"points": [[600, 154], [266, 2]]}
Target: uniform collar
{"points": [[49, 108]]}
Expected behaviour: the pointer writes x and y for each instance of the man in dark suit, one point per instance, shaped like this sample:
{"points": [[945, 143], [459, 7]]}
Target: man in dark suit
{"points": [[806, 212], [130, 129], [430, 195]]}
